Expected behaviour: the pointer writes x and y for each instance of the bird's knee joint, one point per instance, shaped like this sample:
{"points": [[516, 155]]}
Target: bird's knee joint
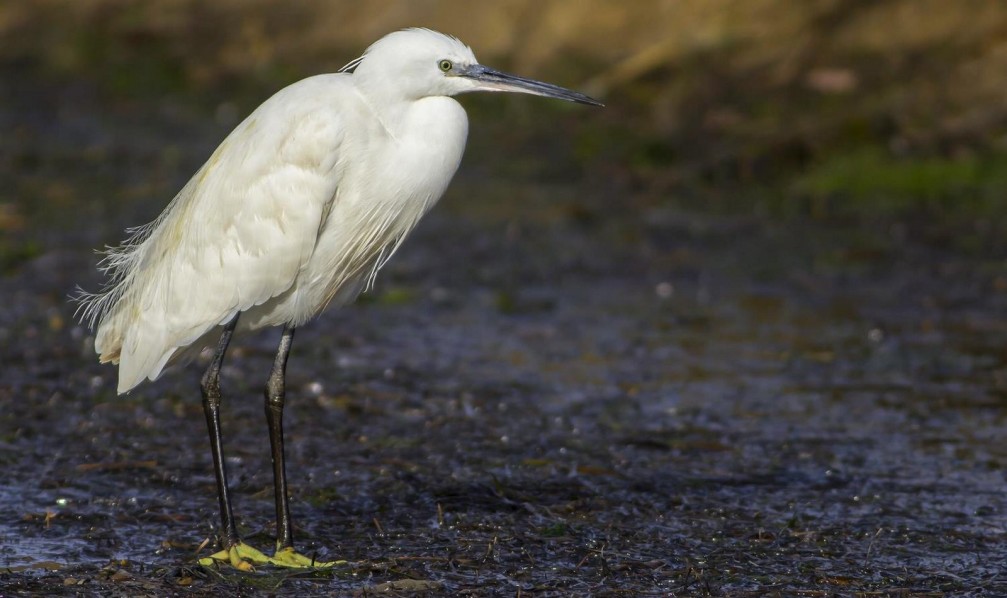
{"points": [[211, 391], [274, 402], [275, 394]]}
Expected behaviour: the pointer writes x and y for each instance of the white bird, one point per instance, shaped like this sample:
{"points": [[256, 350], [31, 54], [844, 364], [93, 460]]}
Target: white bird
{"points": [[297, 209]]}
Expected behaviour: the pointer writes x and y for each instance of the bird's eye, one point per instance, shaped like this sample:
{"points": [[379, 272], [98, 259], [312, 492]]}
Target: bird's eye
{"points": [[445, 65]]}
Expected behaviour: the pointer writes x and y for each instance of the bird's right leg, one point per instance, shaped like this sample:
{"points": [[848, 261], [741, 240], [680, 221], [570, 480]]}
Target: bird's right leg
{"points": [[237, 553], [285, 555]]}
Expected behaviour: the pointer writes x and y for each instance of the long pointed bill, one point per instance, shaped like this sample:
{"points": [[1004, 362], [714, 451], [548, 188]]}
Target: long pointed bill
{"points": [[491, 80]]}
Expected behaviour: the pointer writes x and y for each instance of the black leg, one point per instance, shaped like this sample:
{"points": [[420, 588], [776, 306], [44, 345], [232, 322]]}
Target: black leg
{"points": [[275, 391], [211, 408]]}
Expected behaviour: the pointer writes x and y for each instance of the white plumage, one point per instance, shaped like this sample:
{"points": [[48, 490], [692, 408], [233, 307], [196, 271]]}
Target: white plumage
{"points": [[299, 207]]}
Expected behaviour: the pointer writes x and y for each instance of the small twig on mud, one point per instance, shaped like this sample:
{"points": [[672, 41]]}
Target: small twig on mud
{"points": [[489, 549], [201, 546], [116, 466], [430, 559], [867, 557]]}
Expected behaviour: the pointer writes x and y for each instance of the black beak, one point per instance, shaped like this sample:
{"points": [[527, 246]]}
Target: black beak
{"points": [[491, 80]]}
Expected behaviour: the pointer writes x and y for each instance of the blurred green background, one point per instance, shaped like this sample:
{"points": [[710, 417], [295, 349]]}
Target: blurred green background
{"points": [[826, 108]]}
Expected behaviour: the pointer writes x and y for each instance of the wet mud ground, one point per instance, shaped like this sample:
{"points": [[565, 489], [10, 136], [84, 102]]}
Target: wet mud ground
{"points": [[552, 391]]}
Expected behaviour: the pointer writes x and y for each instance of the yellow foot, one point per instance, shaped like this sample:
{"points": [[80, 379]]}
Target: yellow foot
{"points": [[240, 556], [288, 557], [245, 558]]}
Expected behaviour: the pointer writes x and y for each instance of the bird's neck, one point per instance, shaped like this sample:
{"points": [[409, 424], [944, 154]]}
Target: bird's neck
{"points": [[388, 116], [398, 117]]}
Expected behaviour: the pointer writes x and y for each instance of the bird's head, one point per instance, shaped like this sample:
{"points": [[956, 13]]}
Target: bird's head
{"points": [[418, 63]]}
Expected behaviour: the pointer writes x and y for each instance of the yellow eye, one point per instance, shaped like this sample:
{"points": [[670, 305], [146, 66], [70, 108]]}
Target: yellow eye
{"points": [[445, 65]]}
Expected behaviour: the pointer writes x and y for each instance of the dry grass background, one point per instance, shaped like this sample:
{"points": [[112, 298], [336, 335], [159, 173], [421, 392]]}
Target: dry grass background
{"points": [[787, 93]]}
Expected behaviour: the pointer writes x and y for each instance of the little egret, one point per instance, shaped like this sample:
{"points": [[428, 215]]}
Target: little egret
{"points": [[297, 209]]}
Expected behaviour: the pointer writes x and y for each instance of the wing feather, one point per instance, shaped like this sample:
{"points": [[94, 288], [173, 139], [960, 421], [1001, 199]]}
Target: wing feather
{"points": [[235, 236]]}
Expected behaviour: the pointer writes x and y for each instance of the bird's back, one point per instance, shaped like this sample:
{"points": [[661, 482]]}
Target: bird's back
{"points": [[237, 234]]}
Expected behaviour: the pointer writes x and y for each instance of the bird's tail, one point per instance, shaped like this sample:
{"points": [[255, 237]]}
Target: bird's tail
{"points": [[141, 348]]}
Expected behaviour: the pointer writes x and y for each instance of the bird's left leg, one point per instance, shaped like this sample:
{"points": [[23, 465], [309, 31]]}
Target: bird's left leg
{"points": [[275, 396], [235, 552]]}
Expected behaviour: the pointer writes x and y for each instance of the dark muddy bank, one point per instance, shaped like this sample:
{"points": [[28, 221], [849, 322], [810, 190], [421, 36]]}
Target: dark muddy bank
{"points": [[554, 390]]}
